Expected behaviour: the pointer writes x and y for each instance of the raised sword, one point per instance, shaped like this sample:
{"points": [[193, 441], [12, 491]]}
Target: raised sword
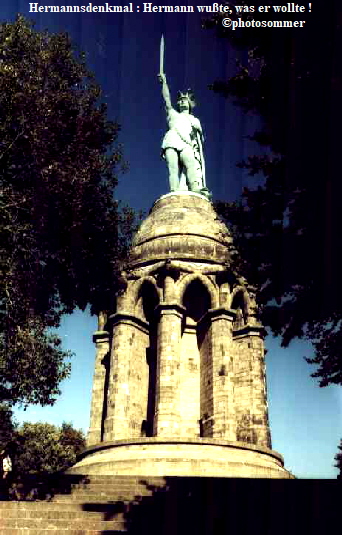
{"points": [[161, 55]]}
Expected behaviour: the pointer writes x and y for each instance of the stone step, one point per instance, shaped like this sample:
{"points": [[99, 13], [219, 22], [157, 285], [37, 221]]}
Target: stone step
{"points": [[59, 525], [106, 480], [96, 488], [17, 507], [104, 496], [158, 480], [97, 499], [104, 486], [76, 515], [110, 490], [71, 531]]}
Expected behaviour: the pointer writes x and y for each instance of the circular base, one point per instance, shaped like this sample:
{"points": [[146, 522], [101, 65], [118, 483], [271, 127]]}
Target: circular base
{"points": [[182, 193], [176, 457]]}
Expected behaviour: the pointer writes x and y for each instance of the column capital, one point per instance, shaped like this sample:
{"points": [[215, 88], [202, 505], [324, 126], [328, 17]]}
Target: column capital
{"points": [[220, 313], [117, 318], [250, 330], [100, 336], [175, 308]]}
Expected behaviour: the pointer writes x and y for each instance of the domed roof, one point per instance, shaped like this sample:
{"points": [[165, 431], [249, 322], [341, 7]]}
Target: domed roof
{"points": [[181, 226]]}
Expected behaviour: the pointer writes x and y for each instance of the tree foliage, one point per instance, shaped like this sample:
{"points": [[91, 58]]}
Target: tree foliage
{"points": [[287, 226], [63, 232], [7, 426], [338, 459], [43, 448]]}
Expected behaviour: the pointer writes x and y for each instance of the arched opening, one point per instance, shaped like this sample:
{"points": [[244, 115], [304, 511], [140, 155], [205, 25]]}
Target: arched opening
{"points": [[196, 300], [147, 301], [196, 362], [239, 305]]}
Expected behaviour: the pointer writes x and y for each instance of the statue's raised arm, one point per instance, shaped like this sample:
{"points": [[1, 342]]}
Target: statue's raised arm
{"points": [[182, 146], [165, 91]]}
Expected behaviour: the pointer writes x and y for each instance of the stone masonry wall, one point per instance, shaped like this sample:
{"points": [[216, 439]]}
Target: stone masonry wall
{"points": [[249, 392], [117, 423], [189, 383], [101, 339], [223, 375], [138, 377], [177, 367], [167, 415], [206, 391]]}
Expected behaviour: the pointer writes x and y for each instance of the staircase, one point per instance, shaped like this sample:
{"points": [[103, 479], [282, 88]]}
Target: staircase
{"points": [[137, 505], [77, 505]]}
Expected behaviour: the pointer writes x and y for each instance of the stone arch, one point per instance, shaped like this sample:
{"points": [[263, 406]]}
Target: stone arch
{"points": [[196, 357], [146, 297], [207, 283], [240, 303], [196, 299]]}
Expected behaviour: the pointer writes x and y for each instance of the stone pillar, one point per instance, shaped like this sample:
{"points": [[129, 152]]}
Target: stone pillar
{"points": [[101, 340], [259, 409], [118, 419], [190, 399], [221, 347], [167, 415], [250, 387]]}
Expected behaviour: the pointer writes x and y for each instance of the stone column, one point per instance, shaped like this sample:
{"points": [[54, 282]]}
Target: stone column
{"points": [[221, 321], [167, 415], [118, 420], [259, 406], [250, 389], [101, 340]]}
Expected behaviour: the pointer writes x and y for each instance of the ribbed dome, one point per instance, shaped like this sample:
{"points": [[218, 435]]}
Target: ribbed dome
{"points": [[181, 226]]}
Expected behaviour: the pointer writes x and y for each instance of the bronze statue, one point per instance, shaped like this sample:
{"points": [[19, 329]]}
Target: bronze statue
{"points": [[182, 146]]}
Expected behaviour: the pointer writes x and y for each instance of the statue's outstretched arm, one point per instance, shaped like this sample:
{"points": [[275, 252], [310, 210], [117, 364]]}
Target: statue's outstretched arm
{"points": [[165, 91]]}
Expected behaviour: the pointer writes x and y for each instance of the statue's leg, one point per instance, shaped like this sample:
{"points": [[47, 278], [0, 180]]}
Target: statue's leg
{"points": [[189, 162], [171, 157]]}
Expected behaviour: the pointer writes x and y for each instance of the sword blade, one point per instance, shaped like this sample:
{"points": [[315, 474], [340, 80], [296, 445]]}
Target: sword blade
{"points": [[161, 55]]}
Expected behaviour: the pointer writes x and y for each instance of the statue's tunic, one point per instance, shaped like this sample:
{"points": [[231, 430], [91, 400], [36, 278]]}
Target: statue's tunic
{"points": [[181, 131]]}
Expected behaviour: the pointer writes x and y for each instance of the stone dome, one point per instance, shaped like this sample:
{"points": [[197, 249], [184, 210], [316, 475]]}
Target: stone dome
{"points": [[181, 226]]}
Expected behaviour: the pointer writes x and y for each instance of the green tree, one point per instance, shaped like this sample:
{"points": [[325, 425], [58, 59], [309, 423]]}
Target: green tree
{"points": [[287, 226], [7, 426], [63, 232], [338, 459], [43, 448]]}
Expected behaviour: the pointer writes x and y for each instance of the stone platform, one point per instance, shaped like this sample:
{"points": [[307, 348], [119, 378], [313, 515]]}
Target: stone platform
{"points": [[155, 456]]}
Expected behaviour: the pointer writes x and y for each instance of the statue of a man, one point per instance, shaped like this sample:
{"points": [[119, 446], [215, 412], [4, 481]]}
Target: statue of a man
{"points": [[182, 145]]}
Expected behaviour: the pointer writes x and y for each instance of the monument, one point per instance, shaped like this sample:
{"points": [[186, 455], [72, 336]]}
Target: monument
{"points": [[179, 385]]}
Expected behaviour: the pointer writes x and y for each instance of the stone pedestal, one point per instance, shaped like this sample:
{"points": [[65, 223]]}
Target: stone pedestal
{"points": [[176, 457]]}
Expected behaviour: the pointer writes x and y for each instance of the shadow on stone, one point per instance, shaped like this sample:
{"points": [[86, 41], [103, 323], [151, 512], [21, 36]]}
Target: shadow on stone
{"points": [[214, 506], [109, 510], [43, 486], [174, 505]]}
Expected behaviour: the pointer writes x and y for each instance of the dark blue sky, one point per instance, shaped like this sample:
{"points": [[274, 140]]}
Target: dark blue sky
{"points": [[123, 52]]}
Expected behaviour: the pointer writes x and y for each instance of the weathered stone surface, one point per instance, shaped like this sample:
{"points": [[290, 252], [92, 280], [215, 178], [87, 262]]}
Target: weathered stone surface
{"points": [[185, 357], [156, 456], [94, 506], [181, 226]]}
